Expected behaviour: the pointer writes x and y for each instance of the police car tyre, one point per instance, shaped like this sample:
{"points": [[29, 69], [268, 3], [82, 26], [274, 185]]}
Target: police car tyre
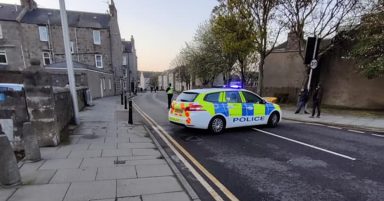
{"points": [[217, 125], [273, 120]]}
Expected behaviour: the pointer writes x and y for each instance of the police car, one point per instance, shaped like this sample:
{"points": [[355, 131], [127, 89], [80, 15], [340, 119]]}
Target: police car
{"points": [[219, 108]]}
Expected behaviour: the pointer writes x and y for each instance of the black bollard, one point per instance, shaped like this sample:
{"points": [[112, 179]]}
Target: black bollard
{"points": [[125, 102], [9, 172], [130, 120], [122, 99], [31, 144]]}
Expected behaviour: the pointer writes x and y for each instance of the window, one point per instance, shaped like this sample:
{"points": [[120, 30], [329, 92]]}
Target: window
{"points": [[99, 60], [43, 33], [1, 32], [251, 98], [96, 37], [3, 57], [232, 97], [124, 60], [104, 83], [186, 97], [72, 47], [47, 58], [110, 85], [213, 97]]}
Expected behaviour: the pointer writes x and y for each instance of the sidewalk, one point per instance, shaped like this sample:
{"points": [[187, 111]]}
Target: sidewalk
{"points": [[104, 159], [372, 121]]}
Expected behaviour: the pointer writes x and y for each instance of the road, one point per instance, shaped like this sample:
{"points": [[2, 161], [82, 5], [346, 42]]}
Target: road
{"points": [[295, 161]]}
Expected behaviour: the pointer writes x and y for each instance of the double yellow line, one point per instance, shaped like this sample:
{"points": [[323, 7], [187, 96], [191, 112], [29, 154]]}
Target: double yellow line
{"points": [[181, 152]]}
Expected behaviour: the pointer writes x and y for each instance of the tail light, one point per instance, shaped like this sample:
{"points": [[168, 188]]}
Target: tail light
{"points": [[194, 107]]}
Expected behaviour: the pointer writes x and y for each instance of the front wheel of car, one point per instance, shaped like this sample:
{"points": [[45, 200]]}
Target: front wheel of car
{"points": [[273, 120], [217, 125]]}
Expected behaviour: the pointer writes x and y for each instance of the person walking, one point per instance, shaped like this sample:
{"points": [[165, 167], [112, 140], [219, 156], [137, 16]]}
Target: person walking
{"points": [[169, 91], [303, 99], [317, 96]]}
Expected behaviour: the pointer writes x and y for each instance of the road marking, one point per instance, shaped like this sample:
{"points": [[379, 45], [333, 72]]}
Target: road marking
{"points": [[355, 131], [172, 144], [334, 127], [305, 144], [315, 124], [377, 135]]}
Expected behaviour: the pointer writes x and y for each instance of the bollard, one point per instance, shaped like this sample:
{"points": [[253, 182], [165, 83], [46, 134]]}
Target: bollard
{"points": [[31, 144], [9, 172], [130, 120], [125, 102], [121, 99]]}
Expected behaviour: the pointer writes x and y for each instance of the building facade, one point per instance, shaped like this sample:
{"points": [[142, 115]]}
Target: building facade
{"points": [[129, 66], [30, 34]]}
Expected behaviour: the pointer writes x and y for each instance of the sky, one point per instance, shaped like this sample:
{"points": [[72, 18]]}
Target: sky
{"points": [[160, 27]]}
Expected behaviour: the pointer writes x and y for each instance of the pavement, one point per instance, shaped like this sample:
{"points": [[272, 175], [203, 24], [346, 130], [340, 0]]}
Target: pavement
{"points": [[357, 119], [104, 159]]}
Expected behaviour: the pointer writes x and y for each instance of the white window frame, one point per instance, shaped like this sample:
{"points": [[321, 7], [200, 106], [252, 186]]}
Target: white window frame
{"points": [[44, 57], [104, 83], [101, 60], [96, 37], [4, 53], [1, 32], [72, 47], [125, 60], [43, 33], [110, 84]]}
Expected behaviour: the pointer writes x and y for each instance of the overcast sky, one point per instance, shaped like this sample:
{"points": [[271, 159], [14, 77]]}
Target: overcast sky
{"points": [[160, 27]]}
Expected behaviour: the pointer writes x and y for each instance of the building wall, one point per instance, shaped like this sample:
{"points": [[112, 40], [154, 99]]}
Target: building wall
{"points": [[12, 44], [284, 74]]}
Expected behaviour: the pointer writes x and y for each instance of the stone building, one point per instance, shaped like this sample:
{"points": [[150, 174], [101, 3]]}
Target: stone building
{"points": [[130, 65], [285, 74], [29, 33]]}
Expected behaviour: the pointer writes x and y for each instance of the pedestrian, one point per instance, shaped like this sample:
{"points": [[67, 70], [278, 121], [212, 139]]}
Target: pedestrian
{"points": [[151, 89], [156, 88], [303, 99], [169, 91], [317, 96]]}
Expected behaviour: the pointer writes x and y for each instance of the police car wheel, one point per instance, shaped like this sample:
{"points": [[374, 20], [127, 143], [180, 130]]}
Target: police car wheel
{"points": [[217, 125], [273, 120]]}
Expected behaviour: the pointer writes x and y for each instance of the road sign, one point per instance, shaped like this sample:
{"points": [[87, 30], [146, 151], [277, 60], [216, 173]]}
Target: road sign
{"points": [[313, 64]]}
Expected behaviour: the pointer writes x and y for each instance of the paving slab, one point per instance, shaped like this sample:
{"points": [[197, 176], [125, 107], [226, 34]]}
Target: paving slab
{"points": [[61, 163], [85, 154], [153, 170], [73, 147], [6, 193], [98, 146], [47, 192], [117, 140], [99, 162], [137, 198], [127, 172], [143, 186], [31, 166], [129, 158], [36, 177], [140, 139], [174, 196], [54, 153], [137, 145], [146, 152], [74, 175], [142, 162], [83, 191], [85, 139], [116, 152]]}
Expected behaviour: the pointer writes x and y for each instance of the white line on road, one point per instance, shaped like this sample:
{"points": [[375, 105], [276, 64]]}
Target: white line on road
{"points": [[377, 135], [355, 131], [305, 144], [335, 127]]}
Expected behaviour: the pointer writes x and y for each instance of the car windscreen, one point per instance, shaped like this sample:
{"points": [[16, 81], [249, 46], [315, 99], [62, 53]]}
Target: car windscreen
{"points": [[187, 97]]}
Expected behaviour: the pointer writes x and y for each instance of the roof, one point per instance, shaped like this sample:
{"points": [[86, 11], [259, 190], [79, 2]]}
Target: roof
{"points": [[75, 18], [9, 12], [127, 46]]}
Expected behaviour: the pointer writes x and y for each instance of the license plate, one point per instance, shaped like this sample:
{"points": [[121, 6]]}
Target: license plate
{"points": [[174, 119]]}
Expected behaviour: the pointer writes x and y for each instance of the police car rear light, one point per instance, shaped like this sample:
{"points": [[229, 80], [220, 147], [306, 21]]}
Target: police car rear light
{"points": [[194, 107]]}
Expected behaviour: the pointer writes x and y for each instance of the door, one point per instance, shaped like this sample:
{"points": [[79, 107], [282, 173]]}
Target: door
{"points": [[253, 109], [234, 105]]}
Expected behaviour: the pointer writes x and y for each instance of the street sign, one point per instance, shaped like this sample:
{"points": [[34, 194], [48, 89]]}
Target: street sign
{"points": [[313, 64]]}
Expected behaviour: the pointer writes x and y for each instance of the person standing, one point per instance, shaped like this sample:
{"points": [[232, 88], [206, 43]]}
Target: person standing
{"points": [[169, 91], [303, 98], [317, 96]]}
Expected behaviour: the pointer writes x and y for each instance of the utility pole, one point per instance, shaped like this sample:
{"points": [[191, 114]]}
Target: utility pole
{"points": [[68, 58], [313, 64]]}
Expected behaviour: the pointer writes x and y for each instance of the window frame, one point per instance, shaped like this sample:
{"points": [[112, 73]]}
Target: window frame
{"points": [[3, 52], [110, 84], [1, 32], [94, 34], [43, 36], [101, 60], [49, 57], [245, 98], [125, 62], [218, 98], [238, 93], [104, 84], [72, 46]]}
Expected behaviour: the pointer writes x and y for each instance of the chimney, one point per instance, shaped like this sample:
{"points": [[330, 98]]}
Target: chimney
{"points": [[28, 4], [112, 9], [292, 41]]}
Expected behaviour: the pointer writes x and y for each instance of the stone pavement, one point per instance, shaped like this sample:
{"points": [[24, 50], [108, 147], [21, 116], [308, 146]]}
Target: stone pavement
{"points": [[104, 159], [366, 120]]}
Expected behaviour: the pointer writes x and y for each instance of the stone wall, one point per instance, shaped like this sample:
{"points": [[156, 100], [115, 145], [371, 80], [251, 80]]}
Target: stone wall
{"points": [[12, 44]]}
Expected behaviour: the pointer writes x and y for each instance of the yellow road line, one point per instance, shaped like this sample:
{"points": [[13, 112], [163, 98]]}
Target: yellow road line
{"points": [[194, 161]]}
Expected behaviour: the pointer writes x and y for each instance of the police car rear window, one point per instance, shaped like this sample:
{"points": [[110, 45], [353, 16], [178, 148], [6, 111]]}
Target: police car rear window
{"points": [[187, 97]]}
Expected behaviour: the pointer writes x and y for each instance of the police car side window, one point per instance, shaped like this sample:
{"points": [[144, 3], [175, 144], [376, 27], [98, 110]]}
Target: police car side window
{"points": [[233, 97], [251, 98], [213, 97]]}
